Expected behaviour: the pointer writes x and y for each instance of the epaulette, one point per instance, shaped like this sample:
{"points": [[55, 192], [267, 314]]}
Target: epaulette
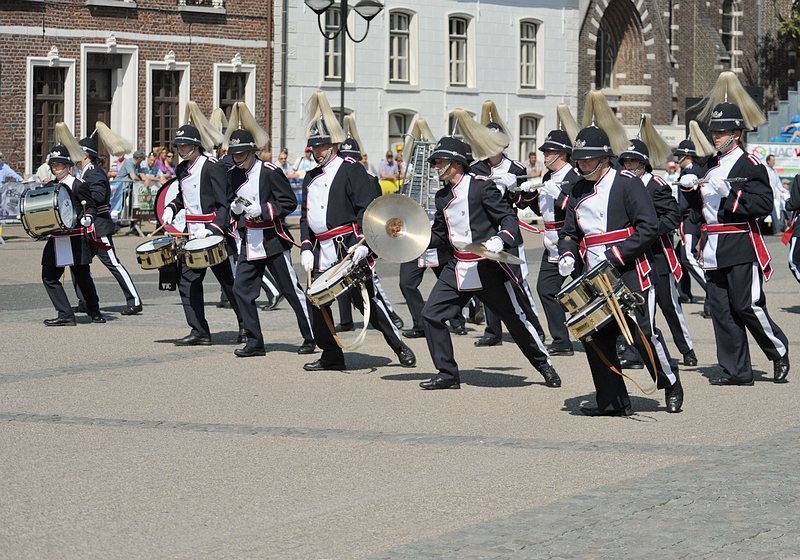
{"points": [[755, 160], [626, 173], [350, 159], [270, 165], [212, 159], [660, 180]]}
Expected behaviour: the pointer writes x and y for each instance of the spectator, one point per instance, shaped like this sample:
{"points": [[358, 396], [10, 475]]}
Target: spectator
{"points": [[400, 168], [305, 163], [283, 163], [673, 172], [150, 172], [532, 168], [388, 168], [367, 165], [777, 194], [6, 173], [43, 175], [127, 173], [166, 163]]}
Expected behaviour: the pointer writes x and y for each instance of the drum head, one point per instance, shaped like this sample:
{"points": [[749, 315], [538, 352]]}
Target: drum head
{"points": [[65, 208], [166, 194], [154, 244], [200, 244], [330, 277]]}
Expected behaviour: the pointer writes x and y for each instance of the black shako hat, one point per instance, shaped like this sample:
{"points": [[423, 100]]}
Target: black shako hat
{"points": [[319, 134], [685, 148], [449, 147], [636, 150], [59, 154], [726, 116], [592, 142], [89, 146], [187, 134], [241, 141], [350, 148], [557, 141]]}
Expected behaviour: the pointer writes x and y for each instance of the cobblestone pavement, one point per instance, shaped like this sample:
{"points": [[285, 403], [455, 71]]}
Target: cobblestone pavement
{"points": [[118, 444]]}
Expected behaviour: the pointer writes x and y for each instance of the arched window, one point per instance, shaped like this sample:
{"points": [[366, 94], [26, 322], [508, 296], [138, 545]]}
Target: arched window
{"points": [[528, 135], [458, 49], [528, 53], [399, 123], [605, 56]]}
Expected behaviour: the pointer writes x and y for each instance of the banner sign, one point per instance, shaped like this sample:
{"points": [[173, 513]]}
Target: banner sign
{"points": [[787, 157], [10, 195]]}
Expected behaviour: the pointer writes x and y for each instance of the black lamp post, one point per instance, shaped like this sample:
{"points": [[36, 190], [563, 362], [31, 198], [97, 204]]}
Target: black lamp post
{"points": [[367, 9]]}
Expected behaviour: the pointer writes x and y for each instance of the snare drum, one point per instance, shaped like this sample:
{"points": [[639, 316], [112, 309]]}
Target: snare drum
{"points": [[575, 296], [203, 253], [47, 210], [594, 279], [336, 281], [157, 253], [592, 317]]}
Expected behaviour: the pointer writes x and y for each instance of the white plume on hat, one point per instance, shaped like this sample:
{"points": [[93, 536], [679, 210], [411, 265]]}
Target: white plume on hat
{"points": [[419, 131], [113, 142], [597, 111], [209, 136], [241, 117], [318, 109], [218, 120], [484, 142], [729, 89], [65, 138], [490, 114], [566, 121], [656, 145], [702, 146], [351, 131]]}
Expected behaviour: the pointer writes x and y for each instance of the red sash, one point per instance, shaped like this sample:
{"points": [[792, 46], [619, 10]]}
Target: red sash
{"points": [[672, 258], [617, 236], [787, 235], [750, 227], [200, 218], [338, 231], [467, 256]]}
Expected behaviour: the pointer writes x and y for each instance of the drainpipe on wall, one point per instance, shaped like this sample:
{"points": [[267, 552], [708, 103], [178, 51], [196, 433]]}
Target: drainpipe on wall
{"points": [[284, 66]]}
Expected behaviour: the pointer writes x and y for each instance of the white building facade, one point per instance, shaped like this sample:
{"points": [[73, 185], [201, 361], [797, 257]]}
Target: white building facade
{"points": [[427, 59]]}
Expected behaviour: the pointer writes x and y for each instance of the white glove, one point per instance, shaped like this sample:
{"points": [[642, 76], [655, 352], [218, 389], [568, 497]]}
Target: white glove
{"points": [[688, 182], [237, 208], [360, 252], [566, 265], [493, 244], [551, 189], [252, 212], [307, 259], [529, 186], [202, 233], [167, 216], [507, 181], [719, 185], [86, 221]]}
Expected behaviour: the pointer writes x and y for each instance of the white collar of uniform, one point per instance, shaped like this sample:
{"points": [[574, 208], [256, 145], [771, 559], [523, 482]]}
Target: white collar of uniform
{"points": [[257, 163], [332, 161], [646, 176], [733, 152], [561, 172]]}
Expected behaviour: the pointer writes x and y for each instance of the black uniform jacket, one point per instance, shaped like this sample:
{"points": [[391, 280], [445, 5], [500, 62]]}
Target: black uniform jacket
{"points": [[97, 183], [215, 193]]}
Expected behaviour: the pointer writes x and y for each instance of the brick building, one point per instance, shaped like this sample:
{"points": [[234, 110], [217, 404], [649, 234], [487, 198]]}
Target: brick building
{"points": [[130, 63], [650, 55]]}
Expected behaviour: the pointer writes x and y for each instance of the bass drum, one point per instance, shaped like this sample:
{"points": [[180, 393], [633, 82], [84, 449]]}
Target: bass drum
{"points": [[166, 194], [47, 210]]}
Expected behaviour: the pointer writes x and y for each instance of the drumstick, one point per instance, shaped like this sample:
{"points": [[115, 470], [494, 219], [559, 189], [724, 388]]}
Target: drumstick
{"points": [[159, 228], [308, 283], [608, 292], [348, 256]]}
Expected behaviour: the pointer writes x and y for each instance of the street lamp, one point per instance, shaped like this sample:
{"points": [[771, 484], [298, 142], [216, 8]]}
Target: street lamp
{"points": [[367, 9]]}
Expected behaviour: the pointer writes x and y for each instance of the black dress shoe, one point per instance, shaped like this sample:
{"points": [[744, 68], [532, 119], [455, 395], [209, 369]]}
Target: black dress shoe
{"points": [[242, 338], [690, 359], [224, 304], [674, 395], [60, 322], [80, 308], [460, 330], [554, 351], [406, 356], [397, 320], [781, 369], [705, 314], [319, 365], [551, 378], [346, 327], [97, 317], [630, 364], [414, 333], [131, 310], [307, 347], [730, 381], [273, 303], [488, 341], [249, 352], [627, 411], [686, 299], [193, 340], [440, 383]]}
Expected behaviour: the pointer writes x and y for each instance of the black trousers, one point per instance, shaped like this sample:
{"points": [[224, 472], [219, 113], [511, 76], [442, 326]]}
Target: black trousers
{"points": [[109, 258], [494, 328], [738, 304], [669, 303], [247, 288], [500, 294], [410, 279], [611, 393], [346, 305], [794, 257], [687, 255], [379, 319], [190, 288], [548, 284], [51, 278]]}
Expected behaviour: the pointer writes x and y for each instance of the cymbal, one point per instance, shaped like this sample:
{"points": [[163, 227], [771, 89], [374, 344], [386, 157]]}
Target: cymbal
{"points": [[396, 228], [480, 250]]}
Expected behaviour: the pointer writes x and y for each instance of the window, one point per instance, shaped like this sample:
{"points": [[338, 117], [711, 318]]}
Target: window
{"points": [[165, 105], [399, 123], [458, 51], [48, 109], [399, 42], [528, 125], [232, 88], [333, 47], [452, 129], [729, 33], [527, 54], [605, 55]]}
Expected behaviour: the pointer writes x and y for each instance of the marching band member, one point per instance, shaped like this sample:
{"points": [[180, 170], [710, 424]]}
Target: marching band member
{"points": [[469, 209], [666, 267], [69, 248], [612, 215], [490, 150], [793, 231], [97, 182], [735, 257], [550, 202], [203, 194], [335, 195], [262, 200]]}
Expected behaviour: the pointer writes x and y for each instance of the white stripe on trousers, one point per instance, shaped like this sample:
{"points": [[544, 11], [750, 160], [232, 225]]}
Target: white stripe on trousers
{"points": [[122, 271], [755, 295]]}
